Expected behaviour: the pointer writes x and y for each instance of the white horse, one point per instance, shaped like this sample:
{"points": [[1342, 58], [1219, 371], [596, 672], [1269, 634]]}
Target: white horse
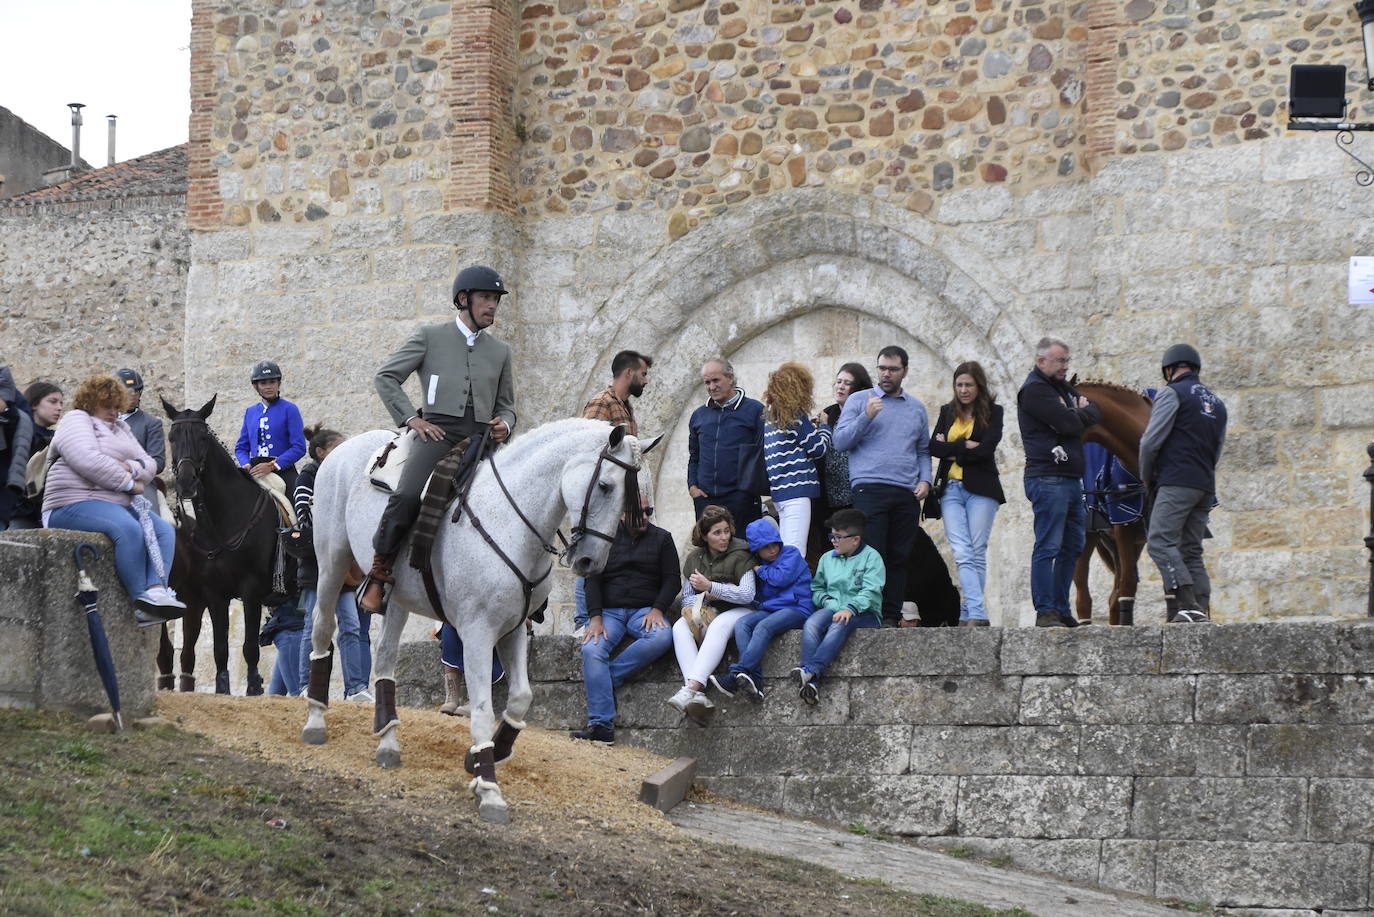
{"points": [[518, 499]]}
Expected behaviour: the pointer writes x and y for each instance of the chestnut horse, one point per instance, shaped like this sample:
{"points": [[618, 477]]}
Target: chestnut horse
{"points": [[1125, 413]]}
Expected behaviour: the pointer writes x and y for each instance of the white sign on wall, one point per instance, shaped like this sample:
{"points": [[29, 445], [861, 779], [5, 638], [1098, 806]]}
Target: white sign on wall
{"points": [[1361, 280]]}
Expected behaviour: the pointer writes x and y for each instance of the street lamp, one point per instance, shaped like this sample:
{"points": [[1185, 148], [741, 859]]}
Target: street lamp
{"points": [[1316, 96], [1365, 10]]}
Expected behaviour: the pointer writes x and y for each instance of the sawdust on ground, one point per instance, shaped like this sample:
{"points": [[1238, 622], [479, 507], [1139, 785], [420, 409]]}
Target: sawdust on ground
{"points": [[550, 772]]}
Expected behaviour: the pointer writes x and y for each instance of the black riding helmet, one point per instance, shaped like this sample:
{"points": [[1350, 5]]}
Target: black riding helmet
{"points": [[1180, 353], [478, 278], [130, 379], [264, 371]]}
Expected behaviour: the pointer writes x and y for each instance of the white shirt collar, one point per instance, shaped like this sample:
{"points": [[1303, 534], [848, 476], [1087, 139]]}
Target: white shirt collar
{"points": [[463, 330]]}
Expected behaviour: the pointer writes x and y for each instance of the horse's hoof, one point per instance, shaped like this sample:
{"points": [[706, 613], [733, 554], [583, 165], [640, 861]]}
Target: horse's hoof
{"points": [[388, 757], [313, 735], [221, 682], [493, 811], [254, 684]]}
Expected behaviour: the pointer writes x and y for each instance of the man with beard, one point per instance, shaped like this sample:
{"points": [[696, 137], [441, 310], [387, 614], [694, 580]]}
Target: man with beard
{"points": [[887, 435], [629, 375]]}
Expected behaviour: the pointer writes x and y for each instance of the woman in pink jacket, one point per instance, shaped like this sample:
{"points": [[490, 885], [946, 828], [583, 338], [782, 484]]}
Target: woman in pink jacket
{"points": [[99, 469]]}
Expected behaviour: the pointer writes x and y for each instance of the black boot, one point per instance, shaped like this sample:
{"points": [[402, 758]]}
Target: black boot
{"points": [[221, 682]]}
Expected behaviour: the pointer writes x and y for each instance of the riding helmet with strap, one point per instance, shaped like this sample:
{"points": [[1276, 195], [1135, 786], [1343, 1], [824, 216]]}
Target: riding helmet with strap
{"points": [[478, 278], [264, 371]]}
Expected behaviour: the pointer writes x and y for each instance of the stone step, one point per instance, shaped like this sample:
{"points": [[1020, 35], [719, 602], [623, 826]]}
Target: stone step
{"points": [[907, 867]]}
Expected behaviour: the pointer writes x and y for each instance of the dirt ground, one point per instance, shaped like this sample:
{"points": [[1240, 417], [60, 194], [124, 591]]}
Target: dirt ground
{"points": [[229, 813]]}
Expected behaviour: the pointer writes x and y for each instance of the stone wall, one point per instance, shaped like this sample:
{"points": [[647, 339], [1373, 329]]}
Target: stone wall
{"points": [[1227, 763], [43, 635], [93, 290]]}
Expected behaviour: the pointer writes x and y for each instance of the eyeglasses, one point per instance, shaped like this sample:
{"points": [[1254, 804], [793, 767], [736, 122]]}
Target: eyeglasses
{"points": [[889, 369], [834, 539]]}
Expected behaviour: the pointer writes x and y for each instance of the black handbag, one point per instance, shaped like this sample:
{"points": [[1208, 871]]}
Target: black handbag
{"points": [[930, 507]]}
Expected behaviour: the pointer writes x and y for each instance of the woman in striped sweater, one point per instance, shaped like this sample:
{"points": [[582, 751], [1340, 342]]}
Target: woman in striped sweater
{"points": [[792, 441]]}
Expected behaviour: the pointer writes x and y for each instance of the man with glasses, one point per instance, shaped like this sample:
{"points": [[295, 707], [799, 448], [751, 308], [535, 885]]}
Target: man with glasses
{"points": [[887, 435], [1053, 417]]}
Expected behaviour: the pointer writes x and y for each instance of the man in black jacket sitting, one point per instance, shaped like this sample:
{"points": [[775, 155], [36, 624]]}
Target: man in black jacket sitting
{"points": [[629, 596], [1053, 417]]}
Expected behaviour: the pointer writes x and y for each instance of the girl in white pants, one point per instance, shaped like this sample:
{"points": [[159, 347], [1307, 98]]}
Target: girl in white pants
{"points": [[721, 566]]}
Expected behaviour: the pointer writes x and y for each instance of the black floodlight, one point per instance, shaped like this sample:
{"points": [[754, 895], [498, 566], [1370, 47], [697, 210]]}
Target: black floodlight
{"points": [[1317, 90], [1365, 10]]}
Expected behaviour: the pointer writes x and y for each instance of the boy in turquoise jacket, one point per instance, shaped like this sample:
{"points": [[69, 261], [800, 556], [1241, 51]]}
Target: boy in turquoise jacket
{"points": [[848, 593]]}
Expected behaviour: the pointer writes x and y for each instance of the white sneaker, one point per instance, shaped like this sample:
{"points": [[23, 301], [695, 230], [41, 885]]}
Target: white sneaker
{"points": [[165, 597], [682, 698], [700, 709], [365, 696]]}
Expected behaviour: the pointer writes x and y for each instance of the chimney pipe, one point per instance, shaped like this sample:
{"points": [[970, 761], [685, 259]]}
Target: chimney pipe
{"points": [[76, 133], [112, 138]]}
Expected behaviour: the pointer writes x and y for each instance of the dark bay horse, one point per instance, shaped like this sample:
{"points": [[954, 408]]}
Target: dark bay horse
{"points": [[1125, 413], [232, 540]]}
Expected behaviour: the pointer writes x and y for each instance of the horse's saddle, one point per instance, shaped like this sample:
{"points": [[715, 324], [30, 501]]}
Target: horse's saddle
{"points": [[385, 466], [274, 485]]}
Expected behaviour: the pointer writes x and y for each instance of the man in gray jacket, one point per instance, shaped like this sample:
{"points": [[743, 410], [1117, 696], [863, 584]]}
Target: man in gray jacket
{"points": [[465, 375], [1178, 457], [147, 428]]}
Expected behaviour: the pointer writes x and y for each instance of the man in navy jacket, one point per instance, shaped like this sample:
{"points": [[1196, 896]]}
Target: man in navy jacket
{"points": [[1178, 455], [724, 447], [1053, 417]]}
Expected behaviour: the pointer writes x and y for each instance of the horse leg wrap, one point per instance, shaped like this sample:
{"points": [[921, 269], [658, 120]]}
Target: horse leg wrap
{"points": [[1125, 611], [164, 682], [506, 734], [320, 670], [483, 758], [186, 682], [384, 708]]}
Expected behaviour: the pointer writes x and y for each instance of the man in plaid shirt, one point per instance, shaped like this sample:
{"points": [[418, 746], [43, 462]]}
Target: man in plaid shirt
{"points": [[629, 375]]}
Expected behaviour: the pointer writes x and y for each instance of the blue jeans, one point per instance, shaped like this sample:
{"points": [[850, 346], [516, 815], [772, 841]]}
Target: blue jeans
{"points": [[451, 652], [1058, 506], [355, 642], [892, 515], [756, 630], [580, 616], [968, 522], [132, 561], [822, 638], [602, 675], [286, 674]]}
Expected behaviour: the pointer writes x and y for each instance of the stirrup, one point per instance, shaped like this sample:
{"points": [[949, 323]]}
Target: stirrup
{"points": [[362, 588]]}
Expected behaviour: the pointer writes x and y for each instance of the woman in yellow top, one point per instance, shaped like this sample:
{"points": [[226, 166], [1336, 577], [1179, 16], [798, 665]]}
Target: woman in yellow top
{"points": [[965, 441]]}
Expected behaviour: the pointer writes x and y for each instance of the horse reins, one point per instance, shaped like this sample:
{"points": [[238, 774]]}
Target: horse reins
{"points": [[526, 584], [202, 508]]}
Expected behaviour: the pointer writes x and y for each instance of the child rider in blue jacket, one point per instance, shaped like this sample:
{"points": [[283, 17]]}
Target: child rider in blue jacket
{"points": [[783, 599]]}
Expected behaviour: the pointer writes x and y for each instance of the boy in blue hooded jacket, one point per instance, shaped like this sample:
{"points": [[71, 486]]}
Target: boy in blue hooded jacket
{"points": [[783, 599]]}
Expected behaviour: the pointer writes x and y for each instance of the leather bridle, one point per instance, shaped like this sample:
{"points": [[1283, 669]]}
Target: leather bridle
{"points": [[204, 521]]}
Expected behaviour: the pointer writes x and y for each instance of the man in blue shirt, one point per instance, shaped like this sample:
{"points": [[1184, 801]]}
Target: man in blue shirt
{"points": [[887, 435], [725, 447], [272, 438]]}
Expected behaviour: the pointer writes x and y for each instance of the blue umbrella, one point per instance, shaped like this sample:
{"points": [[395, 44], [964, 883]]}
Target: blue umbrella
{"points": [[100, 645]]}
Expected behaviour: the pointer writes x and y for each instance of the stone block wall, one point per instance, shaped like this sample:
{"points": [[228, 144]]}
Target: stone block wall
{"points": [[1228, 763], [90, 291], [43, 636]]}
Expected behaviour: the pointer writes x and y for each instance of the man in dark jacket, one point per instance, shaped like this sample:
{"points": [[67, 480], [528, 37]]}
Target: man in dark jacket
{"points": [[629, 596], [1178, 456], [147, 428], [1053, 417], [16, 441], [724, 447]]}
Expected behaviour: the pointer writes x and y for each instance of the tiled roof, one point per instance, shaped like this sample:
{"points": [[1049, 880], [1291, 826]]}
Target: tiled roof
{"points": [[160, 174]]}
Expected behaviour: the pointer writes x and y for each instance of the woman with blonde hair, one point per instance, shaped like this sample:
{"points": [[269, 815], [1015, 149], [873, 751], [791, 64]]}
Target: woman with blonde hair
{"points": [[99, 470], [719, 570], [792, 442]]}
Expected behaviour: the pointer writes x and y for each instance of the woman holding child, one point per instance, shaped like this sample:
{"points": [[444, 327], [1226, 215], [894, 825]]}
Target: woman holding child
{"points": [[719, 569], [965, 441]]}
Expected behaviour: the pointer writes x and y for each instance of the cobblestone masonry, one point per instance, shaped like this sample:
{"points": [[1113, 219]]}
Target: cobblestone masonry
{"points": [[1226, 763]]}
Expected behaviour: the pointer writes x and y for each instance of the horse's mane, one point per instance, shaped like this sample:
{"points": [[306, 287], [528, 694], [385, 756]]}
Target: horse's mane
{"points": [[1116, 387]]}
